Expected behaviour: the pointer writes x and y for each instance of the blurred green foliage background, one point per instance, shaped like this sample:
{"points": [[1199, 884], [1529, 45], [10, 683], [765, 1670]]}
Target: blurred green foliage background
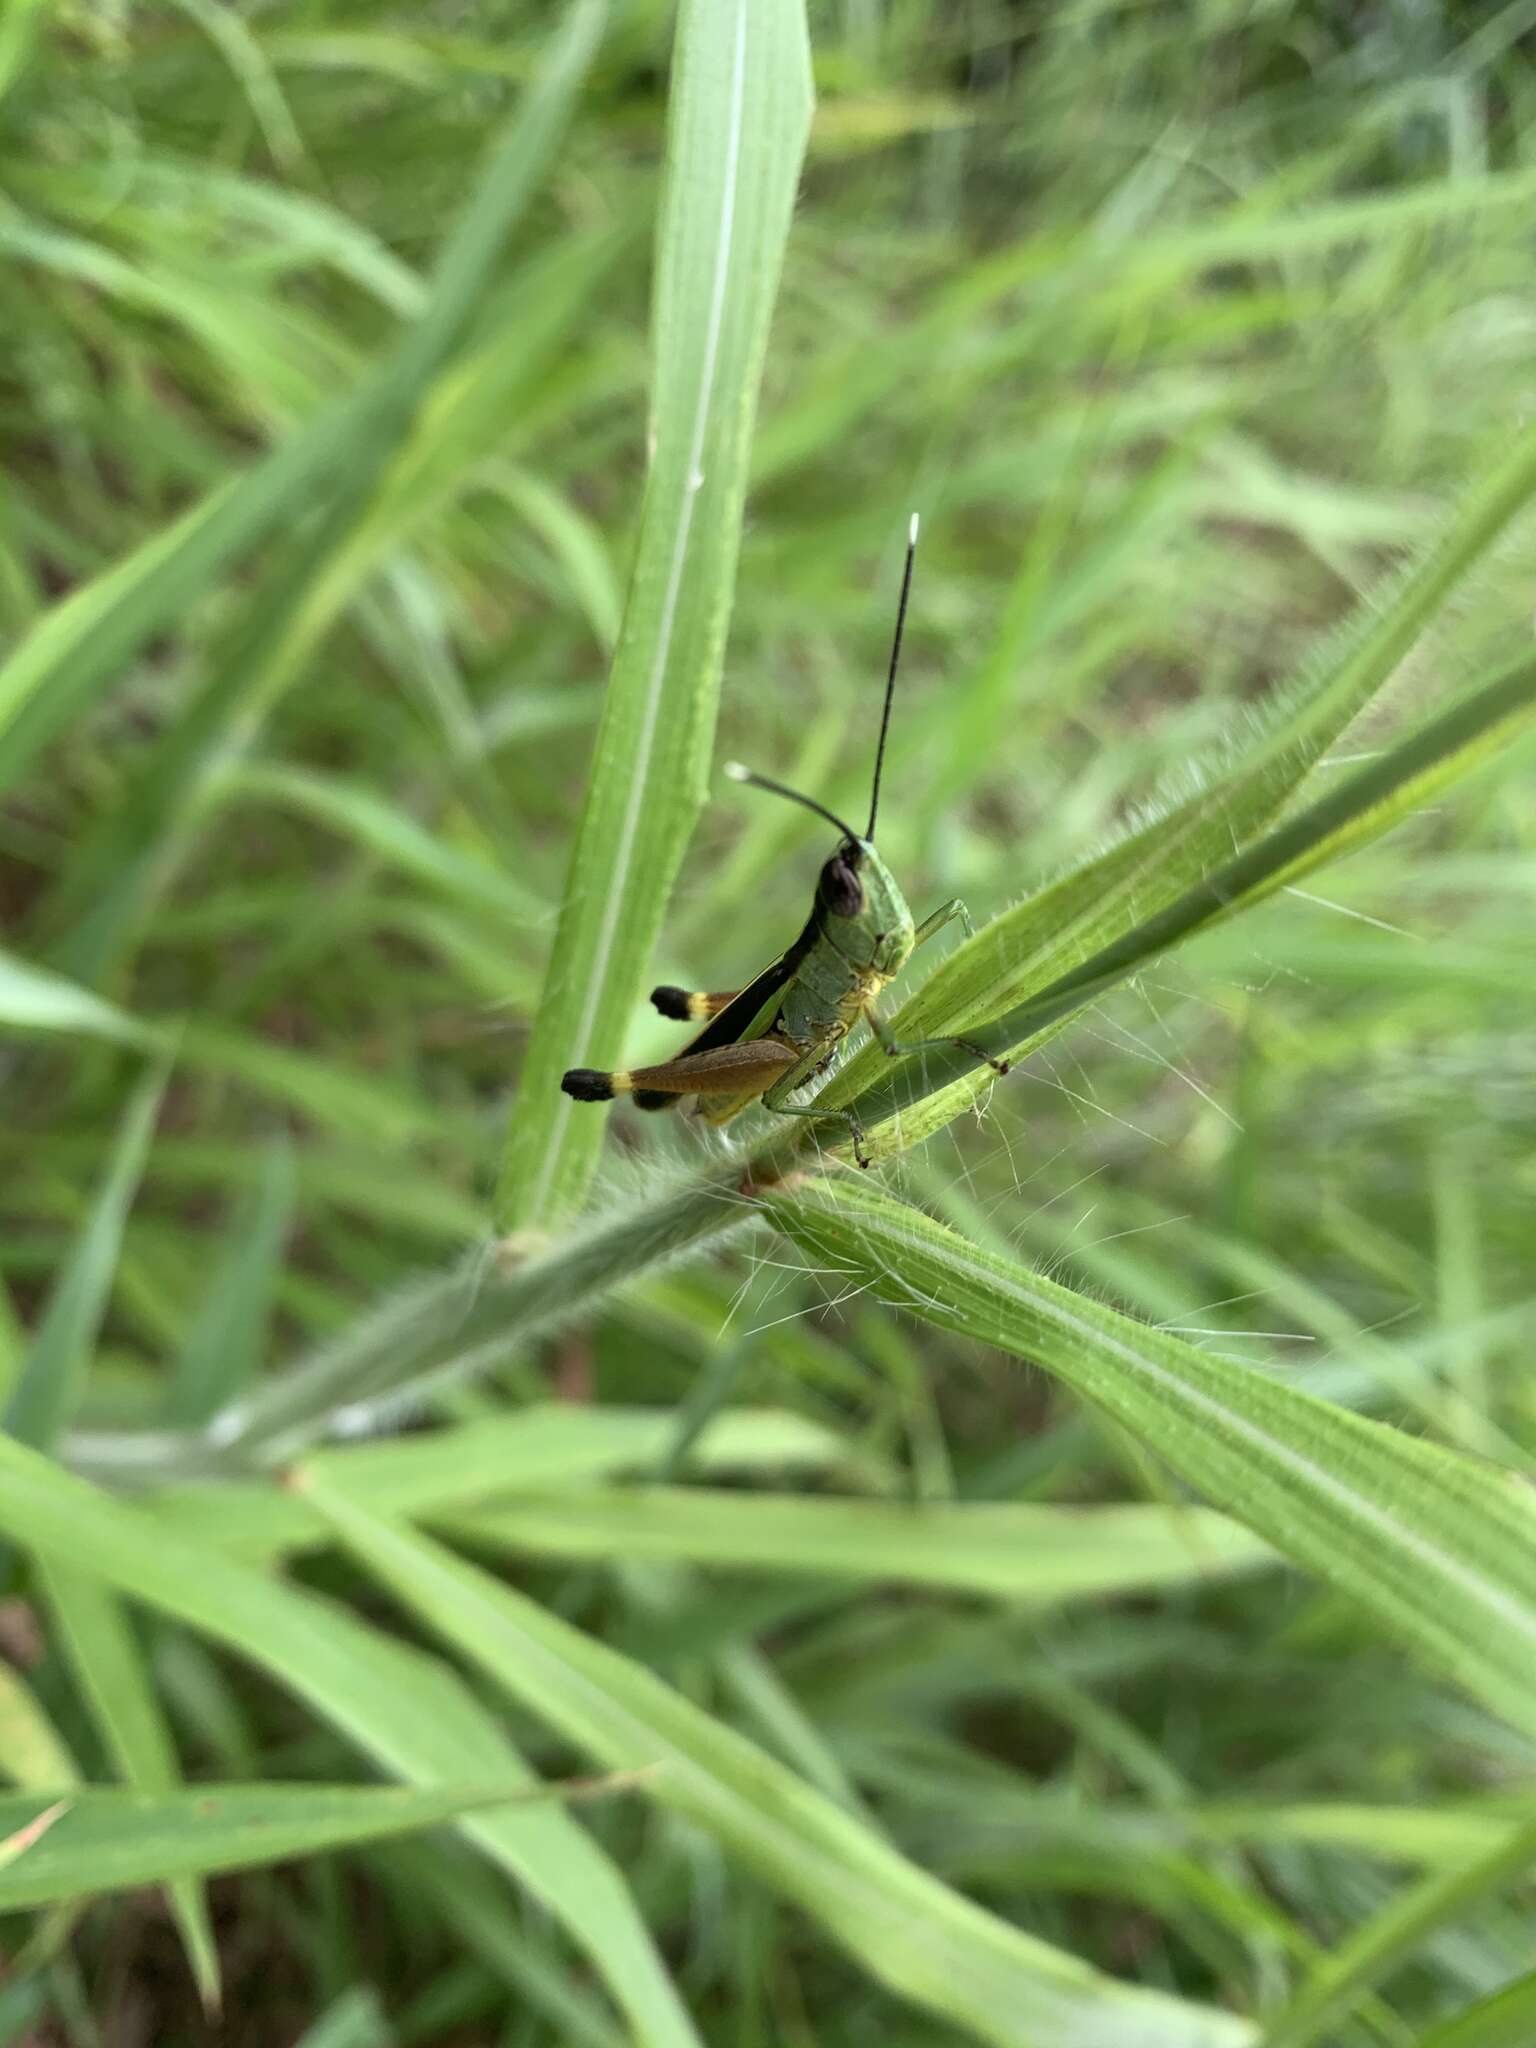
{"points": [[1181, 325]]}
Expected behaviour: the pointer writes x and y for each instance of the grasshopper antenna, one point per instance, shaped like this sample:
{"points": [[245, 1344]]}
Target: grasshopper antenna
{"points": [[739, 774], [890, 679]]}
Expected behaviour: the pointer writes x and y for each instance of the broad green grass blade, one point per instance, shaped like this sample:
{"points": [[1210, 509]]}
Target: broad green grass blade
{"points": [[915, 1935], [1095, 905], [1004, 1550], [405, 1710], [737, 124], [35, 999], [109, 1840], [53, 1375], [1367, 804], [1392, 1936], [1440, 1547], [110, 1673], [1505, 2019]]}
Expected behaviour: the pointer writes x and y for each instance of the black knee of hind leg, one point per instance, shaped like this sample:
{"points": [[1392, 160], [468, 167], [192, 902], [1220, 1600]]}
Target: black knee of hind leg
{"points": [[672, 1002], [586, 1084]]}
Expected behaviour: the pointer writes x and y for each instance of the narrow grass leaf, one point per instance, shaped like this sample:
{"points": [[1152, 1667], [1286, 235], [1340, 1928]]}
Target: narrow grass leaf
{"points": [[1409, 1919], [737, 123], [1440, 1547], [406, 1710], [36, 999], [910, 1931], [108, 1840], [110, 1672], [1003, 1550], [383, 829], [224, 1344], [53, 1375]]}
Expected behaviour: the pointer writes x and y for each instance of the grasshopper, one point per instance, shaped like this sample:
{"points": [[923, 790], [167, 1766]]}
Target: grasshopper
{"points": [[768, 1040]]}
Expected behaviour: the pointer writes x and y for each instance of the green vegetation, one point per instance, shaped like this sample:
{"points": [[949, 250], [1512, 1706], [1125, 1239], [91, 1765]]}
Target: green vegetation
{"points": [[575, 1578]]}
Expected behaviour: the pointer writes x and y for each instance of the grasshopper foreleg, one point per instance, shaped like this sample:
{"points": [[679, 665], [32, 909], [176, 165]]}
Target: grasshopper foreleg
{"points": [[897, 1048], [945, 914]]}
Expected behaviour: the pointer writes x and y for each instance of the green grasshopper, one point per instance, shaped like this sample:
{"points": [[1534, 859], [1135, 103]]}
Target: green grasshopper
{"points": [[766, 1041]]}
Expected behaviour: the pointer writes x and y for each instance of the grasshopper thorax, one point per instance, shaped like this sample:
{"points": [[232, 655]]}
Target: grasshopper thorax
{"points": [[862, 911]]}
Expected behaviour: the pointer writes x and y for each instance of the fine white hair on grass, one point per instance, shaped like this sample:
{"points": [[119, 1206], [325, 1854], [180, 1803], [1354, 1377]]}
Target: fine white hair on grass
{"points": [[1347, 910], [1085, 1103], [1138, 1050]]}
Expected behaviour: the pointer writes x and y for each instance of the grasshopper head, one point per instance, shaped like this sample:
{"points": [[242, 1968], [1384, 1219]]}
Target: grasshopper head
{"points": [[866, 915]]}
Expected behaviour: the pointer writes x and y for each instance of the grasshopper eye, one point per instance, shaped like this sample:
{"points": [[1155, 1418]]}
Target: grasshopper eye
{"points": [[840, 888]]}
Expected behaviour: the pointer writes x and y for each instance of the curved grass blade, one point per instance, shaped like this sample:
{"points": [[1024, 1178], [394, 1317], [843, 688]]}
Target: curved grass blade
{"points": [[738, 120], [464, 1322], [910, 1931], [1440, 1547], [1368, 804], [406, 1710], [1053, 930]]}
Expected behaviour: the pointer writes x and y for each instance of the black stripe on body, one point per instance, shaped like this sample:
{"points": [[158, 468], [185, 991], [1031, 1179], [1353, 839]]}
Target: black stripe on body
{"points": [[734, 1021]]}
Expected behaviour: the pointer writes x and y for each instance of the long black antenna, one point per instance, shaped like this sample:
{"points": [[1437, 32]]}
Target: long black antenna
{"points": [[739, 774], [890, 680]]}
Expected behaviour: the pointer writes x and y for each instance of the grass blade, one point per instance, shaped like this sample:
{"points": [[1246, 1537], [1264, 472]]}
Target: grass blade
{"points": [[1391, 1936], [920, 1938], [1505, 2019], [117, 874], [52, 1377], [1368, 804], [435, 1473], [32, 1751], [224, 1344], [110, 1672], [1094, 906], [1005, 1550], [33, 999], [738, 119], [108, 1840], [405, 1710], [1440, 1547]]}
